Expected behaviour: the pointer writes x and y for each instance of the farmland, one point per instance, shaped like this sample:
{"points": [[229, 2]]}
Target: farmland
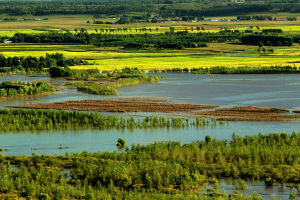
{"points": [[110, 58], [217, 54], [149, 100]]}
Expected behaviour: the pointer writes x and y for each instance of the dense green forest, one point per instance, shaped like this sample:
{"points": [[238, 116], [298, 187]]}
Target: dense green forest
{"points": [[267, 40], [167, 170], [165, 8], [167, 40]]}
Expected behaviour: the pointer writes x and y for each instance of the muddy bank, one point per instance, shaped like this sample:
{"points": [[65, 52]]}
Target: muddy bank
{"points": [[251, 113], [121, 105], [161, 105]]}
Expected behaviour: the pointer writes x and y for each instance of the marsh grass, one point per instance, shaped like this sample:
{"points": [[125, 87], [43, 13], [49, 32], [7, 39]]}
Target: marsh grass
{"points": [[20, 120]]}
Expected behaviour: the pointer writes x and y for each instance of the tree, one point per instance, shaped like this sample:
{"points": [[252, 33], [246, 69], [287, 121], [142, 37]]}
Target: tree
{"points": [[292, 194], [121, 143], [207, 139], [172, 29], [51, 63]]}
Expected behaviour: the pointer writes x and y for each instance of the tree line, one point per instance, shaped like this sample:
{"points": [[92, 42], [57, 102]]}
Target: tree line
{"points": [[267, 40], [34, 64], [166, 8], [247, 70], [167, 40]]}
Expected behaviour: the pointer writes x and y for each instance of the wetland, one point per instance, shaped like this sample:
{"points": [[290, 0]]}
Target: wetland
{"points": [[123, 100]]}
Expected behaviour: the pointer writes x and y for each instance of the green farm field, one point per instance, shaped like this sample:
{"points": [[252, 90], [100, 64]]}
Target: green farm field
{"points": [[214, 115], [216, 54], [62, 23], [109, 58], [209, 28], [151, 63]]}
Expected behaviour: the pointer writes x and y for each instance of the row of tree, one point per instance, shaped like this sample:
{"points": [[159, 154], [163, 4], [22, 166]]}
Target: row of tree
{"points": [[167, 40], [262, 17], [246, 70], [34, 64]]}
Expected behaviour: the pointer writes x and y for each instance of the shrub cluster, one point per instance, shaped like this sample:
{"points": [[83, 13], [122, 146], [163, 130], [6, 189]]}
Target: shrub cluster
{"points": [[9, 89]]}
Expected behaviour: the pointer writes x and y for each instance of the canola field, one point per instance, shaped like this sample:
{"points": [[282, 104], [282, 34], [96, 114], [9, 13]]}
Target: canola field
{"points": [[109, 58], [218, 54]]}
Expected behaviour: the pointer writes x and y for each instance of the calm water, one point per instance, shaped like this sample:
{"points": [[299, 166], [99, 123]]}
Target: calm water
{"points": [[278, 190], [280, 90], [224, 90], [96, 140], [272, 90]]}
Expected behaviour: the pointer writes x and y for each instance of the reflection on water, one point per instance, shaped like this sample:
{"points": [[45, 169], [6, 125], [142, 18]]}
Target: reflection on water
{"points": [[280, 191], [272, 90], [224, 90], [105, 140]]}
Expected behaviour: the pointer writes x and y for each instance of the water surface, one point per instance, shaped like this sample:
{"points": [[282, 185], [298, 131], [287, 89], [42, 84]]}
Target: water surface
{"points": [[105, 140], [271, 90], [280, 191]]}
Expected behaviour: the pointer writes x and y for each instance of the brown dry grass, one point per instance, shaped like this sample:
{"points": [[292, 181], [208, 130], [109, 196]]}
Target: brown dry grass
{"points": [[152, 104], [121, 105], [250, 113]]}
